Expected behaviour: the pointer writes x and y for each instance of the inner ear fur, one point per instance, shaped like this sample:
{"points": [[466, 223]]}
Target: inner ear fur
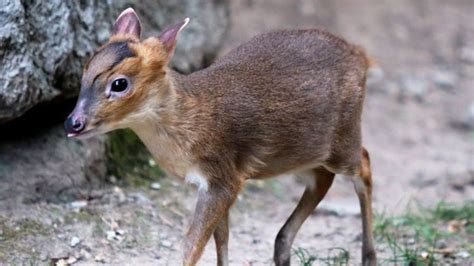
{"points": [[128, 23], [169, 36]]}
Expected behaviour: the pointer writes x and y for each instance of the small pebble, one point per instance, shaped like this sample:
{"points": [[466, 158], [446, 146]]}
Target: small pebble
{"points": [[113, 179], [61, 262], [78, 204], [166, 243], [463, 254], [110, 235], [100, 258], [424, 255], [416, 87], [445, 79], [74, 241], [71, 260], [151, 162], [155, 186]]}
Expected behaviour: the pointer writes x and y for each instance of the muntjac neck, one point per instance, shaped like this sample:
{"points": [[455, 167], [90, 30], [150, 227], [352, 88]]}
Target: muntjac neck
{"points": [[175, 116], [172, 128]]}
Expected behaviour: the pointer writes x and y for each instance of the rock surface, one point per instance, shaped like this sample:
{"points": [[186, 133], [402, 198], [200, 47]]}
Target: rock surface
{"points": [[49, 167], [43, 44]]}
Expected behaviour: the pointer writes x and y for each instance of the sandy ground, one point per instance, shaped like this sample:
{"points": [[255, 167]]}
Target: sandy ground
{"points": [[415, 124]]}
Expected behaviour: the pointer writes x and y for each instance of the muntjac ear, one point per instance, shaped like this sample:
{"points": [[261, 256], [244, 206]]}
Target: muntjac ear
{"points": [[169, 35], [128, 23]]}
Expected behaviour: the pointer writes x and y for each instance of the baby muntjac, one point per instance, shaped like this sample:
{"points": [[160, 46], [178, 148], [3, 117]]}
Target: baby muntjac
{"points": [[287, 101]]}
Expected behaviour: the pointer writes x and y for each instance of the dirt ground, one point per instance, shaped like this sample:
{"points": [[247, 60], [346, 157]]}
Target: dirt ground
{"points": [[418, 127]]}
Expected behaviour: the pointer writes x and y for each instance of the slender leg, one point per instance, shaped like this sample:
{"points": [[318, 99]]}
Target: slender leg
{"points": [[308, 202], [363, 188], [211, 207], [221, 237]]}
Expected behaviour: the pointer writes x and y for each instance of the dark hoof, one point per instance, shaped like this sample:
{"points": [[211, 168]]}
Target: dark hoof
{"points": [[369, 259], [282, 262]]}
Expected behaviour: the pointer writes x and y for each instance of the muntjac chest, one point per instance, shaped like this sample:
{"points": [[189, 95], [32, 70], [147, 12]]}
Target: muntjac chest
{"points": [[171, 155]]}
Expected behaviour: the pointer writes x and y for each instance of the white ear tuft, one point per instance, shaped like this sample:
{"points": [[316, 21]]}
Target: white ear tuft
{"points": [[125, 12], [186, 21]]}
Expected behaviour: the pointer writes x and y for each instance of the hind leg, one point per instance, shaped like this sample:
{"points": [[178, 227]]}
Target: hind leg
{"points": [[363, 188], [308, 202]]}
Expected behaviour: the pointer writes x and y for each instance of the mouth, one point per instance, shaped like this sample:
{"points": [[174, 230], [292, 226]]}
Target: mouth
{"points": [[81, 135]]}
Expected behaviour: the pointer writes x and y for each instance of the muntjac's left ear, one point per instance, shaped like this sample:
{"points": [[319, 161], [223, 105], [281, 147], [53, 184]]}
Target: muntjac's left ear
{"points": [[169, 35], [128, 24]]}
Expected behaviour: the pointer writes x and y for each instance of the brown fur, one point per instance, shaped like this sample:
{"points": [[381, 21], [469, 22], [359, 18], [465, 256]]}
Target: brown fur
{"points": [[284, 102]]}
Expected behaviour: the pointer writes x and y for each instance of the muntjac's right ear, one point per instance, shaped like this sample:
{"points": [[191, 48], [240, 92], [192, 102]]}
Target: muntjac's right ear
{"points": [[169, 35], [128, 24]]}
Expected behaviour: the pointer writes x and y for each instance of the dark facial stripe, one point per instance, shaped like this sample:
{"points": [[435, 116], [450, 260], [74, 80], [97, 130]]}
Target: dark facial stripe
{"points": [[121, 50], [104, 60]]}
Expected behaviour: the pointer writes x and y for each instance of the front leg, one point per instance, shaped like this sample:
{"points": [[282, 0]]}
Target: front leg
{"points": [[221, 237], [212, 206]]}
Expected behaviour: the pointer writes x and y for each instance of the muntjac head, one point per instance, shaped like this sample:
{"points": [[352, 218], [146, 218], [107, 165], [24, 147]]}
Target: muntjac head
{"points": [[124, 79]]}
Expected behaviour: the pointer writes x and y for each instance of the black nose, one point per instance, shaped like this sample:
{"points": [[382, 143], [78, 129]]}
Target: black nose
{"points": [[74, 124]]}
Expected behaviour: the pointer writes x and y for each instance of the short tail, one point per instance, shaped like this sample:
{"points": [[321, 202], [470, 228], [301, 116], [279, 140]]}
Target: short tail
{"points": [[370, 62]]}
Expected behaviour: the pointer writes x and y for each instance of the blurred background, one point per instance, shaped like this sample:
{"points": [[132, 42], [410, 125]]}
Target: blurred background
{"points": [[104, 200]]}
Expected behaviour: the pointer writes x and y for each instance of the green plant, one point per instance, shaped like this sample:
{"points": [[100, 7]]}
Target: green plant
{"points": [[448, 212], [413, 237], [335, 257], [129, 160], [22, 228], [303, 256]]}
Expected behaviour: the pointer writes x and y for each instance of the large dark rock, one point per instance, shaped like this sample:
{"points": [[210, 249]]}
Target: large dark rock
{"points": [[43, 44], [47, 166], [42, 47]]}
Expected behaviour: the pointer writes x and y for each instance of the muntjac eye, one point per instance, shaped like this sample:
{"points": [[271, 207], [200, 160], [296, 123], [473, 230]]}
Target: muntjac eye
{"points": [[119, 85]]}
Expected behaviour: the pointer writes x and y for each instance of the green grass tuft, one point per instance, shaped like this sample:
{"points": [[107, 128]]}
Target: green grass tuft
{"points": [[447, 212], [303, 256], [413, 237], [25, 227], [129, 160], [335, 257]]}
